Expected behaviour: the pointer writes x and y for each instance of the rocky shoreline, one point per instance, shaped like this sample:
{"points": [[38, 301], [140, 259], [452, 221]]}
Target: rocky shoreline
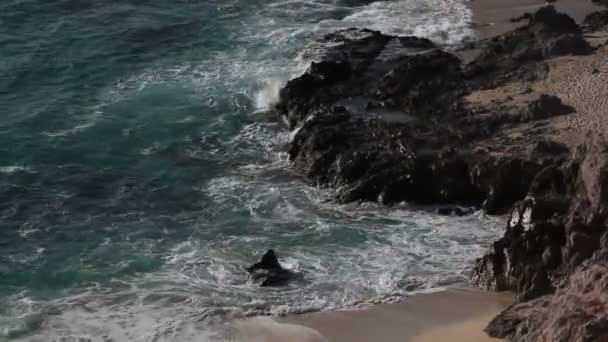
{"points": [[392, 119]]}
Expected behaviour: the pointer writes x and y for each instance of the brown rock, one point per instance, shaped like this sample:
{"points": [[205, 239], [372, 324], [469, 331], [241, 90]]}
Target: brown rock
{"points": [[578, 312]]}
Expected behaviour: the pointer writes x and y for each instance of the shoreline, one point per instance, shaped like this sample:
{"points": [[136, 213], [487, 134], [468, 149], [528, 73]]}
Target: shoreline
{"points": [[431, 317], [421, 317], [457, 314]]}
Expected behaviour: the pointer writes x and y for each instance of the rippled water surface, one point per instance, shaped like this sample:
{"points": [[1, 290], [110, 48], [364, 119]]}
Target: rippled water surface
{"points": [[140, 170]]}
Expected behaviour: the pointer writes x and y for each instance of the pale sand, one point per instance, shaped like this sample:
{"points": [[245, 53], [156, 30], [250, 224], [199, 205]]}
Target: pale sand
{"points": [[580, 81], [454, 315], [470, 330]]}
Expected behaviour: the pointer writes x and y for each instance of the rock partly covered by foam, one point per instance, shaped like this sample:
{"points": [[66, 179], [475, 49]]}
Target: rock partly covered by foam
{"points": [[384, 118], [269, 272]]}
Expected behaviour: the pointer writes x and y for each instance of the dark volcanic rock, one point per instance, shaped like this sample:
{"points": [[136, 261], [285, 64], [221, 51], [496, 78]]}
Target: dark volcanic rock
{"points": [[425, 83], [349, 63], [357, 148], [556, 228], [269, 272], [382, 118]]}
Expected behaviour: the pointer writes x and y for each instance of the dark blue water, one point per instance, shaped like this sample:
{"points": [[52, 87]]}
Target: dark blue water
{"points": [[140, 169]]}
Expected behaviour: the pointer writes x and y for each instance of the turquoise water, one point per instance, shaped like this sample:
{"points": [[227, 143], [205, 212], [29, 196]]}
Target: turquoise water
{"points": [[141, 170]]}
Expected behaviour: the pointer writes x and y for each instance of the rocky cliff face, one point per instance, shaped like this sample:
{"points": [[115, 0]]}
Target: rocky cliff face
{"points": [[577, 312], [555, 228], [391, 119]]}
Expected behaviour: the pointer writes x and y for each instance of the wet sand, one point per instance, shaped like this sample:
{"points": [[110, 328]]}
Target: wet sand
{"points": [[454, 315]]}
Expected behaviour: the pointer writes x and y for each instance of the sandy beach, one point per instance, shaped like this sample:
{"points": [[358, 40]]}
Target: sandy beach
{"points": [[460, 314]]}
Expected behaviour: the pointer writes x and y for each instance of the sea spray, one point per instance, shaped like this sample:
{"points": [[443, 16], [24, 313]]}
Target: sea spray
{"points": [[269, 95]]}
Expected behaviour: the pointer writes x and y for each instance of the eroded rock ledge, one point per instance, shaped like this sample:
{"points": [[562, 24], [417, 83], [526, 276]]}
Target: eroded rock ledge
{"points": [[391, 119]]}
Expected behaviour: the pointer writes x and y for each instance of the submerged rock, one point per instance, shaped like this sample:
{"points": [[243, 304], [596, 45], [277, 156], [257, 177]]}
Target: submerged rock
{"points": [[383, 118]]}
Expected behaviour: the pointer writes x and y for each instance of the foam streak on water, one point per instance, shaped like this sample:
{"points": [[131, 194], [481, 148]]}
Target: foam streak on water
{"points": [[142, 170]]}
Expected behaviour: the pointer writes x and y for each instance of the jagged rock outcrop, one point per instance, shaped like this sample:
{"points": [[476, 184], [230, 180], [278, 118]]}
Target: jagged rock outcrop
{"points": [[554, 229], [379, 117], [578, 312]]}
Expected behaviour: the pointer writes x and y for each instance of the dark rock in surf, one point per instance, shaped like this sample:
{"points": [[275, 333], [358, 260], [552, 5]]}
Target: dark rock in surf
{"points": [[269, 272]]}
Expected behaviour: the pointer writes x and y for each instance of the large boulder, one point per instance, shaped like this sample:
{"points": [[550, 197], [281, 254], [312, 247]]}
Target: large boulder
{"points": [[269, 272], [344, 64], [383, 118], [557, 227], [578, 312]]}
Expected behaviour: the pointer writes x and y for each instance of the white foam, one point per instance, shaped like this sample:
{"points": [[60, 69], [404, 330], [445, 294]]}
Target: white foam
{"points": [[10, 169], [269, 95], [443, 21], [86, 122]]}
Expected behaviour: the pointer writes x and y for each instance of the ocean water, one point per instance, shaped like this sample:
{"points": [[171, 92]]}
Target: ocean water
{"points": [[141, 169]]}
